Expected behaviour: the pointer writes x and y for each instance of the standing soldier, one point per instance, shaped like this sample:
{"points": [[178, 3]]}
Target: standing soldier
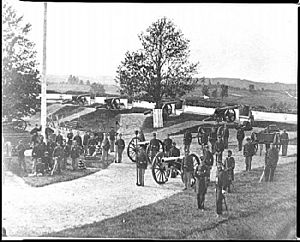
{"points": [[66, 147], [120, 146], [271, 161], [75, 154], [50, 147], [92, 145], [58, 155], [100, 137], [34, 139], [187, 169], [201, 174], [248, 153], [154, 146], [187, 140], [221, 183], [141, 165], [112, 138], [78, 139], [59, 138], [225, 136], [219, 148], [21, 156], [229, 165], [105, 147], [208, 159], [167, 143], [70, 137], [141, 136], [240, 135], [174, 152], [284, 141], [276, 141], [85, 141], [34, 156], [213, 139], [48, 132]]}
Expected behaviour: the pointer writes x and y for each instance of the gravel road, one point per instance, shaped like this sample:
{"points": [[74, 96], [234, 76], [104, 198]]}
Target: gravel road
{"points": [[30, 212]]}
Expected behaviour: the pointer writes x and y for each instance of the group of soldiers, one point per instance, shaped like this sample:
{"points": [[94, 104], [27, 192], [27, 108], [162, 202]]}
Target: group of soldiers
{"points": [[52, 156]]}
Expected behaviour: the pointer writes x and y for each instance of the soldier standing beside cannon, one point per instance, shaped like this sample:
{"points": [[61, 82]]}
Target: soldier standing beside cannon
{"points": [[85, 141], [201, 174], [240, 135], [284, 141], [112, 138], [120, 146], [105, 147], [187, 140], [208, 159], [248, 153], [213, 139], [167, 143], [225, 136], [141, 165], [219, 148], [154, 146], [187, 169]]}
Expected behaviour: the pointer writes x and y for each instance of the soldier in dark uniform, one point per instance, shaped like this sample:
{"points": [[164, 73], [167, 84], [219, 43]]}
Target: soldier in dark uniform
{"points": [[105, 147], [229, 165], [225, 136], [219, 148], [154, 146], [208, 159], [112, 138], [66, 147], [187, 140], [240, 135], [141, 136], [213, 139], [70, 137], [174, 151], [167, 143], [85, 141], [120, 146], [284, 141], [50, 147], [59, 138], [221, 184], [201, 174], [92, 145], [75, 154], [34, 139], [48, 132], [248, 153], [141, 165], [276, 141], [58, 155], [271, 160], [47, 160], [78, 139], [21, 156], [187, 169], [100, 137]]}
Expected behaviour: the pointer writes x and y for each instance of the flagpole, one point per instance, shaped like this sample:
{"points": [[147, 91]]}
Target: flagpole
{"points": [[44, 83]]}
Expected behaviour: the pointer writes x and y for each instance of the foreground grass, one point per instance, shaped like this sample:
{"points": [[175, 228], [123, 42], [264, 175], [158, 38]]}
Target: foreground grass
{"points": [[256, 211]]}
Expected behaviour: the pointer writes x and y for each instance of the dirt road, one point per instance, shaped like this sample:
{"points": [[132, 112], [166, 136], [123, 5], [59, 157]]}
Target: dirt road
{"points": [[29, 211]]}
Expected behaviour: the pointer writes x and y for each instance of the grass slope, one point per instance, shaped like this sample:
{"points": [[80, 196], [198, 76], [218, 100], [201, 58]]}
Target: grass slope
{"points": [[256, 211]]}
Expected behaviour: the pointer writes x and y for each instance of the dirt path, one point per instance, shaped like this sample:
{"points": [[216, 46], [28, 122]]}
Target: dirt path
{"points": [[29, 211]]}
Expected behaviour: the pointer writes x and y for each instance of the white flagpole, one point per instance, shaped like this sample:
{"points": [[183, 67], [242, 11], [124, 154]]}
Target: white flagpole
{"points": [[44, 82]]}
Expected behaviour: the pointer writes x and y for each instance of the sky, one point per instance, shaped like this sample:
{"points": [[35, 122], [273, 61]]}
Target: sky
{"points": [[256, 42]]}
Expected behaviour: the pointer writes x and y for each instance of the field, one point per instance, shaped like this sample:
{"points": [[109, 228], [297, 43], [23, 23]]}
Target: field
{"points": [[256, 211]]}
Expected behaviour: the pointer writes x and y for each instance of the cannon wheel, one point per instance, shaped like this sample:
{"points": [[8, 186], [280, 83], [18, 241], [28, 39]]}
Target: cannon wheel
{"points": [[132, 148], [159, 171], [196, 162], [161, 149], [230, 115], [19, 125]]}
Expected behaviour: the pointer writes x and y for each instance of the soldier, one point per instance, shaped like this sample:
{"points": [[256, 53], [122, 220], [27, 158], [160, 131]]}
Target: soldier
{"points": [[34, 139], [112, 138], [174, 151], [167, 143], [120, 146], [50, 147], [201, 174], [105, 147], [92, 145], [34, 156], [78, 139], [59, 138], [47, 161], [219, 148], [284, 140], [66, 148], [213, 139], [225, 136], [100, 137], [276, 141], [141, 136], [187, 169], [204, 137], [208, 159], [221, 184], [85, 141], [141, 165], [154, 146], [48, 132], [187, 140], [271, 160], [248, 153], [75, 154], [229, 165], [240, 135], [70, 137], [21, 156], [58, 155]]}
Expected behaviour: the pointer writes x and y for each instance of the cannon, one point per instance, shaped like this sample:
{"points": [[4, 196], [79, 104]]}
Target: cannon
{"points": [[163, 166], [134, 146], [77, 100], [226, 114], [18, 125]]}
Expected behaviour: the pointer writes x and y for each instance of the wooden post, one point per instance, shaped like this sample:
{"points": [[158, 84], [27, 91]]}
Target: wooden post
{"points": [[44, 83]]}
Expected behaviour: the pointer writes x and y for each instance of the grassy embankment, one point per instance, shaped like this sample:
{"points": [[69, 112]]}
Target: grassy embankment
{"points": [[256, 211]]}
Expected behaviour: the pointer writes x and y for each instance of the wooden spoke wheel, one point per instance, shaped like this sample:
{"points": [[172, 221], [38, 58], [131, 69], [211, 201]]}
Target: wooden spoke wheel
{"points": [[148, 151], [160, 171], [132, 148], [196, 162], [230, 115]]}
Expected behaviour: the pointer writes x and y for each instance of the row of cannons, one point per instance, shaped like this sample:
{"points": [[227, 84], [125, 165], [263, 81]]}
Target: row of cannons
{"points": [[164, 166]]}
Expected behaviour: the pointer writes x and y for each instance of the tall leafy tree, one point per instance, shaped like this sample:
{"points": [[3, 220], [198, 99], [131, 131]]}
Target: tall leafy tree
{"points": [[161, 68], [20, 76]]}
